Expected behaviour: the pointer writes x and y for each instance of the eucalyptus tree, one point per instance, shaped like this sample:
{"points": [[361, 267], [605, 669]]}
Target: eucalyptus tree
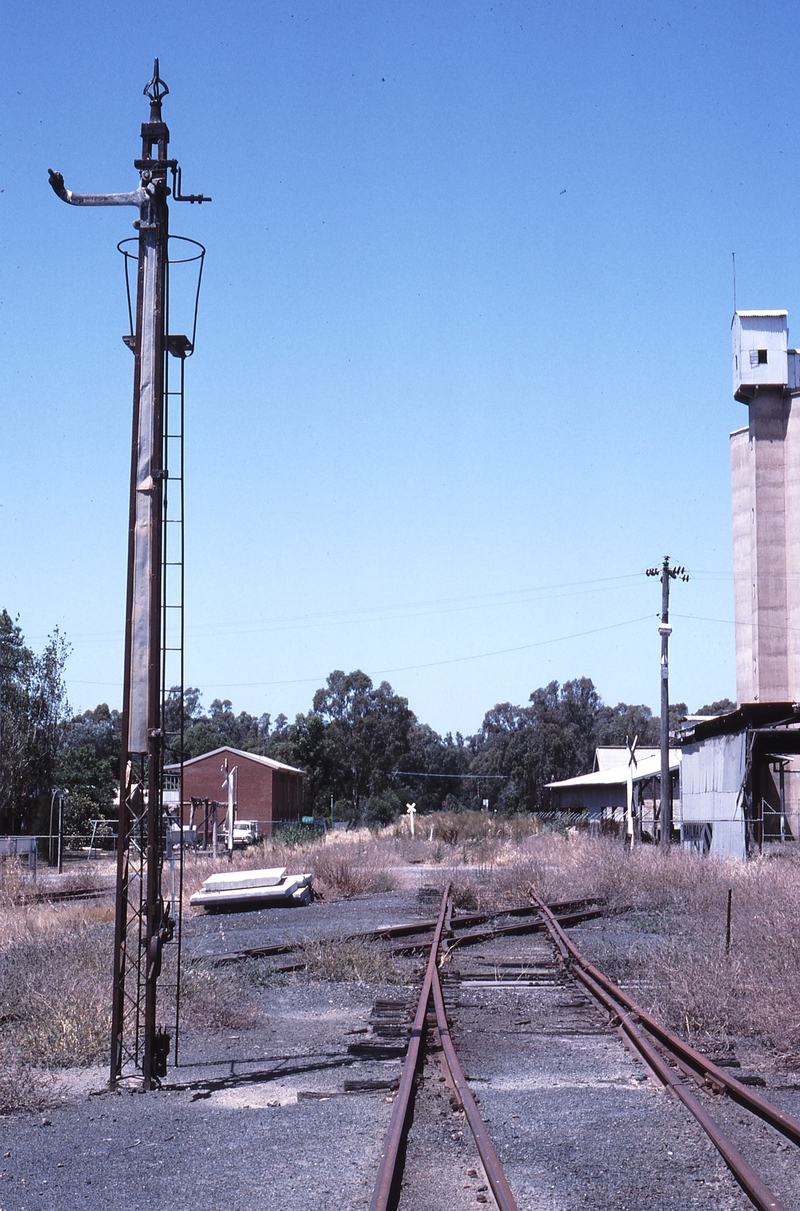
{"points": [[33, 708]]}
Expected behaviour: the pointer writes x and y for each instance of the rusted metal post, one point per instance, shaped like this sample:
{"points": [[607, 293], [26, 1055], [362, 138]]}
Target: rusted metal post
{"points": [[142, 711], [61, 832], [142, 923]]}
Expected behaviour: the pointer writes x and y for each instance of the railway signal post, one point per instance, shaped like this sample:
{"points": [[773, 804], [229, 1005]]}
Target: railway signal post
{"points": [[143, 923]]}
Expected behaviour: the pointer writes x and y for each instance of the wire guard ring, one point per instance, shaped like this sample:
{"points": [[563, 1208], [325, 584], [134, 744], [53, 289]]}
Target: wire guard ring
{"points": [[130, 250]]}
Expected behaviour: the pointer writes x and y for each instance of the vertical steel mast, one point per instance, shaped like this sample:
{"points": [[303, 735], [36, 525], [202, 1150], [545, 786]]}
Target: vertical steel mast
{"points": [[143, 923]]}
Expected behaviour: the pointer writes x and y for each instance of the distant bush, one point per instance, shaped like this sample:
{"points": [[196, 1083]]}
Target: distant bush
{"points": [[456, 828]]}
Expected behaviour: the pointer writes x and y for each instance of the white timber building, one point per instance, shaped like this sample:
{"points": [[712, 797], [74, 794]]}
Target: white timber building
{"points": [[603, 794]]}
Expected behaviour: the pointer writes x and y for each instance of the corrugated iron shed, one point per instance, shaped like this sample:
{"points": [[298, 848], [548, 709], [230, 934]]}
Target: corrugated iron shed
{"points": [[740, 779]]}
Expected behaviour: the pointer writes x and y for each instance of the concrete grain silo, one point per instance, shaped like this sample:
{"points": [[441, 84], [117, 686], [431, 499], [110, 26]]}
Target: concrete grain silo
{"points": [[765, 474]]}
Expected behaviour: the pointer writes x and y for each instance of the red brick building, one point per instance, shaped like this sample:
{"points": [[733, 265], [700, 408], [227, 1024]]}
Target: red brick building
{"points": [[265, 790]]}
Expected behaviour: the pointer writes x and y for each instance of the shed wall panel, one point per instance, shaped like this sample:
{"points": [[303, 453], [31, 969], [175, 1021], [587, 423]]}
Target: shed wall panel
{"points": [[712, 774]]}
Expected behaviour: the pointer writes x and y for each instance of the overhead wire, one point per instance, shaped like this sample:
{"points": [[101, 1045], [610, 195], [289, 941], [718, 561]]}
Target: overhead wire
{"points": [[525, 647], [389, 611]]}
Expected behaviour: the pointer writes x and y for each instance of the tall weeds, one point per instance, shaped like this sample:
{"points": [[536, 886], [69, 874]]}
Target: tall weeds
{"points": [[342, 866], [342, 870], [55, 996], [351, 960]]}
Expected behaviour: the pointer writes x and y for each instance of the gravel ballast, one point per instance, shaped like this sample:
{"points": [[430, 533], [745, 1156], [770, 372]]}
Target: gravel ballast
{"points": [[259, 1116]]}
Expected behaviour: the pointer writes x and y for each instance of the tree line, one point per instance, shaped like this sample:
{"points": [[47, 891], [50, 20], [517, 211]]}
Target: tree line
{"points": [[365, 753]]}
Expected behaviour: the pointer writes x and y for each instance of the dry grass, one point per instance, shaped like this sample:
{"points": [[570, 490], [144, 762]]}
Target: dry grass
{"points": [[19, 885], [54, 989], [343, 865], [460, 828], [24, 1086], [669, 944], [15, 882], [343, 869], [55, 993], [755, 990], [222, 997], [351, 960]]}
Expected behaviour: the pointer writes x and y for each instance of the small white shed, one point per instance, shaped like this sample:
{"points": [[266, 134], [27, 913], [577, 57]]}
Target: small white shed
{"points": [[760, 351]]}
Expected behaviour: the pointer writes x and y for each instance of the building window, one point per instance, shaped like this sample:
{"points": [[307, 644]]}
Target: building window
{"points": [[762, 357]]}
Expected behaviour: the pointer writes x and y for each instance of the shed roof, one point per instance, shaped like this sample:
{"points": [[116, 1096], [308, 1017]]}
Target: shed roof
{"points": [[609, 756], [746, 715], [757, 315], [240, 755], [645, 768]]}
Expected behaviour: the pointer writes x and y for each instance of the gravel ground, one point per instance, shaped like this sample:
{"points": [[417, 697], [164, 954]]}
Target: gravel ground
{"points": [[231, 1128], [573, 1116], [228, 1132], [260, 1115], [211, 933]]}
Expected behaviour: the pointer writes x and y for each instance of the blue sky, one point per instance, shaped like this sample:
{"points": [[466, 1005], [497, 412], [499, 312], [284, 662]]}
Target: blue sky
{"points": [[463, 361]]}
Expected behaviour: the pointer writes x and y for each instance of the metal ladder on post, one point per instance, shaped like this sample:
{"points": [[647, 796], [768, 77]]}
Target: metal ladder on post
{"points": [[172, 663], [177, 349]]}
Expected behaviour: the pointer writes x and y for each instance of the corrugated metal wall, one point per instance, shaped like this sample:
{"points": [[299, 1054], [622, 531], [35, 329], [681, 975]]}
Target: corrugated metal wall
{"points": [[712, 774]]}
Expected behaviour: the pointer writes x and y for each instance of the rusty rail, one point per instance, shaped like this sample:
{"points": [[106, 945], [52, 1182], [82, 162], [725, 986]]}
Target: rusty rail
{"points": [[389, 1167], [389, 1170], [697, 1064], [491, 1163], [576, 909], [625, 1010]]}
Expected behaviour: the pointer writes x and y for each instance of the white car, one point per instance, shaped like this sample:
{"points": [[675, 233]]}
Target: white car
{"points": [[245, 832]]}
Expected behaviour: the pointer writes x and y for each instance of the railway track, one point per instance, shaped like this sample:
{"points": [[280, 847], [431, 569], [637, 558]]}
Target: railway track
{"points": [[54, 896], [524, 919], [669, 1061]]}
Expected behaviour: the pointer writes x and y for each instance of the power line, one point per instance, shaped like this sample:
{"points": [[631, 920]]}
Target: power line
{"points": [[731, 622], [388, 611], [416, 773], [526, 647], [238, 685]]}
